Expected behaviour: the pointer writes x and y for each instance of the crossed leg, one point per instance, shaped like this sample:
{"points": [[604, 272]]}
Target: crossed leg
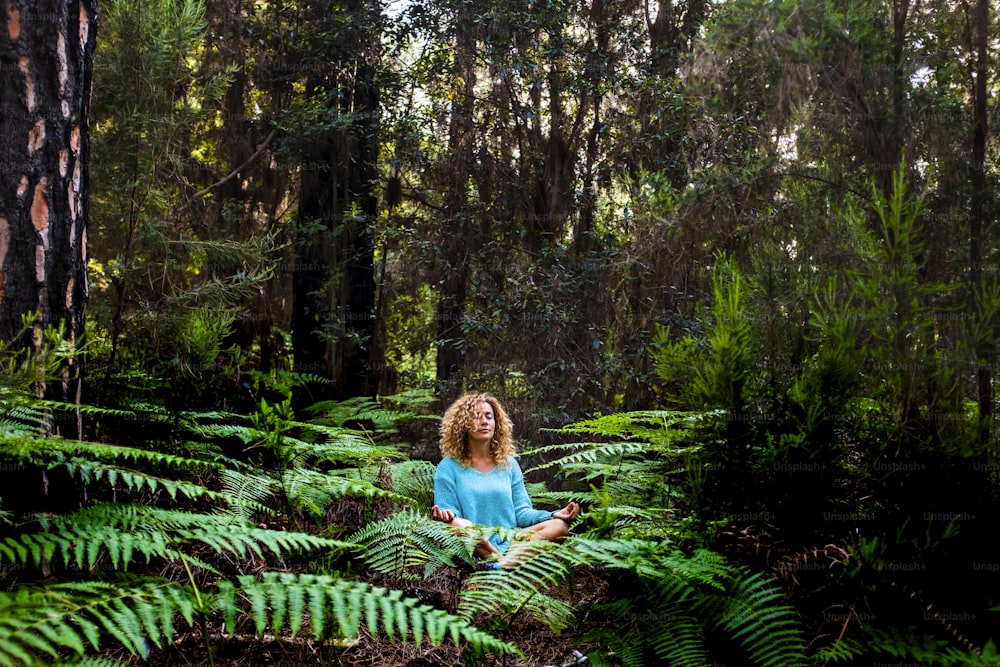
{"points": [[550, 530]]}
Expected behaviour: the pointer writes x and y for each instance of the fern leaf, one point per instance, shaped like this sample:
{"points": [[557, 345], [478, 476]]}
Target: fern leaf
{"points": [[415, 480], [407, 539], [337, 608], [94, 661], [676, 637], [37, 623], [122, 531], [539, 566], [247, 494], [314, 490], [757, 617]]}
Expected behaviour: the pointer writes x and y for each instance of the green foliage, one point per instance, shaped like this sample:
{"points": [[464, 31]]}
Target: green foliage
{"points": [[684, 608], [634, 468], [415, 480], [39, 622], [278, 600], [96, 560], [722, 175], [676, 603], [409, 540], [714, 370], [166, 290], [358, 410], [121, 532]]}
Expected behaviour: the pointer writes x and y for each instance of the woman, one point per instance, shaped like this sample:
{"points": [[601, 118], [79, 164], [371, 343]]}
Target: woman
{"points": [[479, 482]]}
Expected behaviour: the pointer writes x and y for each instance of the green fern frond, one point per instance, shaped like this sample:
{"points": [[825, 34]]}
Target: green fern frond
{"points": [[247, 494], [134, 480], [557, 614], [22, 421], [675, 636], [756, 615], [842, 650], [333, 444], [703, 568], [39, 450], [89, 410], [415, 480], [659, 427], [539, 567], [94, 661], [590, 454], [681, 596], [337, 608], [37, 623], [12, 429], [245, 434], [357, 409], [124, 532], [410, 539], [411, 400], [315, 490]]}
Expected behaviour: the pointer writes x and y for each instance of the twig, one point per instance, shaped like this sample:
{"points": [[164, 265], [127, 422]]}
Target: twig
{"points": [[231, 176]]}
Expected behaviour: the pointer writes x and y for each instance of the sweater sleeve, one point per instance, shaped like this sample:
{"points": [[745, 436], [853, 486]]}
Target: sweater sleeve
{"points": [[526, 515], [446, 488]]}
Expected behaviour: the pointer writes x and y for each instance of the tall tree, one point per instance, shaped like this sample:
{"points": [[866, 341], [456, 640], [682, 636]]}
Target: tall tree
{"points": [[46, 69], [457, 232], [979, 214], [333, 274]]}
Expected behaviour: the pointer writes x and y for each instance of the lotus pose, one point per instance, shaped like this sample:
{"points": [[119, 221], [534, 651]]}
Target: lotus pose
{"points": [[479, 482]]}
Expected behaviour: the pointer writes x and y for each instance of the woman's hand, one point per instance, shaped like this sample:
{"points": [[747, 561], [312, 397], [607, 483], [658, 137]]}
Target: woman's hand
{"points": [[442, 515], [568, 513]]}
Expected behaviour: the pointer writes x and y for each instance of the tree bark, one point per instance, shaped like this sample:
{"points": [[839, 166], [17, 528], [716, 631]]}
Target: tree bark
{"points": [[333, 276], [46, 69], [458, 230], [985, 349]]}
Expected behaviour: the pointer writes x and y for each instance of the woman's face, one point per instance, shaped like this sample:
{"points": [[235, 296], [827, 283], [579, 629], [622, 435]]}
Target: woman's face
{"points": [[483, 424]]}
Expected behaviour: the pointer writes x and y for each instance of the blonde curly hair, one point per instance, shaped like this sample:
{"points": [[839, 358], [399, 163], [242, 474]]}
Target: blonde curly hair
{"points": [[458, 420]]}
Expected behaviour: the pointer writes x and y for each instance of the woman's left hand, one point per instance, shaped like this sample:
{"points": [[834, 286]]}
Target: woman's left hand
{"points": [[568, 513]]}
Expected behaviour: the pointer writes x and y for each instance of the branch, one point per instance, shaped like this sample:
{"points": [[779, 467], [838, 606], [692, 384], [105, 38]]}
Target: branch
{"points": [[231, 176]]}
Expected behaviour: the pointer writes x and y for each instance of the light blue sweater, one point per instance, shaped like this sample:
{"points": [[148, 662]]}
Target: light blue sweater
{"points": [[495, 498]]}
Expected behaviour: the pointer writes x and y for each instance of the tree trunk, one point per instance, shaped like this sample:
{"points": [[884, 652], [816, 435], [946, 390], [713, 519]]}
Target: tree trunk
{"points": [[985, 349], [457, 231], [46, 69], [333, 276]]}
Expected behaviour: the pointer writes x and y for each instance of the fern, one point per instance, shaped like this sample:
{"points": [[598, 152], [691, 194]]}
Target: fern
{"points": [[334, 444], [910, 644], [38, 451], [90, 471], [409, 539], [842, 650], [756, 616], [126, 531], [315, 490], [690, 598], [415, 480], [678, 638], [94, 661], [635, 458], [35, 623], [358, 409], [284, 600], [683, 598], [247, 494]]}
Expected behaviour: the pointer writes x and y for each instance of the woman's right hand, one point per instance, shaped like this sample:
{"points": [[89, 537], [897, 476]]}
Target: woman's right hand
{"points": [[442, 515]]}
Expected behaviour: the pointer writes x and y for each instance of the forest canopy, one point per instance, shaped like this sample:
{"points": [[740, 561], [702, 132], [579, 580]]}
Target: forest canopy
{"points": [[731, 266]]}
